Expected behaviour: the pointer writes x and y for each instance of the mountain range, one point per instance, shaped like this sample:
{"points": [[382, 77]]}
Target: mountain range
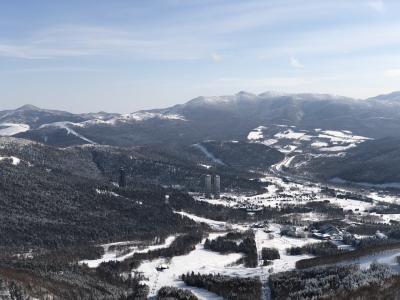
{"points": [[219, 118], [312, 121]]}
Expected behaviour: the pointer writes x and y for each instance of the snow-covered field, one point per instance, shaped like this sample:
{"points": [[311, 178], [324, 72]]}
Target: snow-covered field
{"points": [[14, 160], [133, 247], [207, 153], [280, 192], [10, 129], [289, 139], [68, 126], [199, 260], [204, 261]]}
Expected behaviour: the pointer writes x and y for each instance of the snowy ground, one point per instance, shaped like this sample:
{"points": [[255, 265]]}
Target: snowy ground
{"points": [[10, 129], [207, 262], [133, 247], [14, 160], [68, 126], [199, 260], [387, 257], [289, 139]]}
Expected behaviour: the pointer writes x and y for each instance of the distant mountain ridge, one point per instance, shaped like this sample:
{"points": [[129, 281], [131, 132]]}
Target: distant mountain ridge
{"points": [[218, 117]]}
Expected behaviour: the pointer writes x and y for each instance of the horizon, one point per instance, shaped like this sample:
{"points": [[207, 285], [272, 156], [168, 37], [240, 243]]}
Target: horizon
{"points": [[127, 56], [151, 108]]}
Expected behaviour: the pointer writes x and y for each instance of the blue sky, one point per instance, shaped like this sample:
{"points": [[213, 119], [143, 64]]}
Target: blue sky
{"points": [[122, 56]]}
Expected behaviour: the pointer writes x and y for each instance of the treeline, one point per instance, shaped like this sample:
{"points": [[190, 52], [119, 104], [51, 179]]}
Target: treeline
{"points": [[317, 249], [346, 256], [73, 282], [170, 293], [389, 289], [326, 282], [270, 254], [240, 242], [52, 209], [231, 288]]}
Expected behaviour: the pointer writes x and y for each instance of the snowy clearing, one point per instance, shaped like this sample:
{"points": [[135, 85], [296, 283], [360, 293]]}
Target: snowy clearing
{"points": [[66, 126], [256, 134], [199, 260], [208, 154], [113, 255], [10, 129], [14, 160]]}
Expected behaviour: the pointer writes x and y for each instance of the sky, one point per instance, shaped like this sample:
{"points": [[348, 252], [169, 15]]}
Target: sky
{"points": [[127, 55]]}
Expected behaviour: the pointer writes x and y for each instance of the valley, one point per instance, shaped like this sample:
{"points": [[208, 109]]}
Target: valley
{"points": [[297, 199]]}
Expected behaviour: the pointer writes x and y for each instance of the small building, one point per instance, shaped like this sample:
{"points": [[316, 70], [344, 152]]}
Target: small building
{"points": [[162, 267], [328, 232]]}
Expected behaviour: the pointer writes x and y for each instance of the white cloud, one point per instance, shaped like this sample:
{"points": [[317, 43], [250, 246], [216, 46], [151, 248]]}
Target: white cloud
{"points": [[377, 5], [216, 57], [392, 73], [295, 63], [75, 41]]}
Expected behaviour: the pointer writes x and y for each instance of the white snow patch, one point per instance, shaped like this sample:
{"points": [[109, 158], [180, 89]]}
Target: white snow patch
{"points": [[143, 116], [205, 166], [208, 154], [64, 125], [319, 144], [338, 148], [290, 135], [270, 142], [114, 255], [256, 133], [10, 129], [15, 160], [216, 225], [199, 260]]}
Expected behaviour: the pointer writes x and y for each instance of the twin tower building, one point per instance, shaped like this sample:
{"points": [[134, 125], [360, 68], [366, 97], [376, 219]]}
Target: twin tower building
{"points": [[212, 186]]}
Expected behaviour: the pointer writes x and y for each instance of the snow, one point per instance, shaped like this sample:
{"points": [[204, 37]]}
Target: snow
{"points": [[386, 257], [287, 149], [288, 139], [98, 122], [110, 193], [203, 261], [350, 204], [10, 129], [284, 163], [15, 160], [114, 255], [290, 134], [143, 116], [338, 148], [199, 260], [105, 192], [319, 144], [384, 197], [208, 154], [205, 166], [341, 136], [216, 225], [256, 134], [64, 125], [281, 243], [270, 142]]}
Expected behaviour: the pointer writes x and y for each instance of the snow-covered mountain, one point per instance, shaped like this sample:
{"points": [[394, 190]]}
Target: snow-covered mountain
{"points": [[217, 117]]}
